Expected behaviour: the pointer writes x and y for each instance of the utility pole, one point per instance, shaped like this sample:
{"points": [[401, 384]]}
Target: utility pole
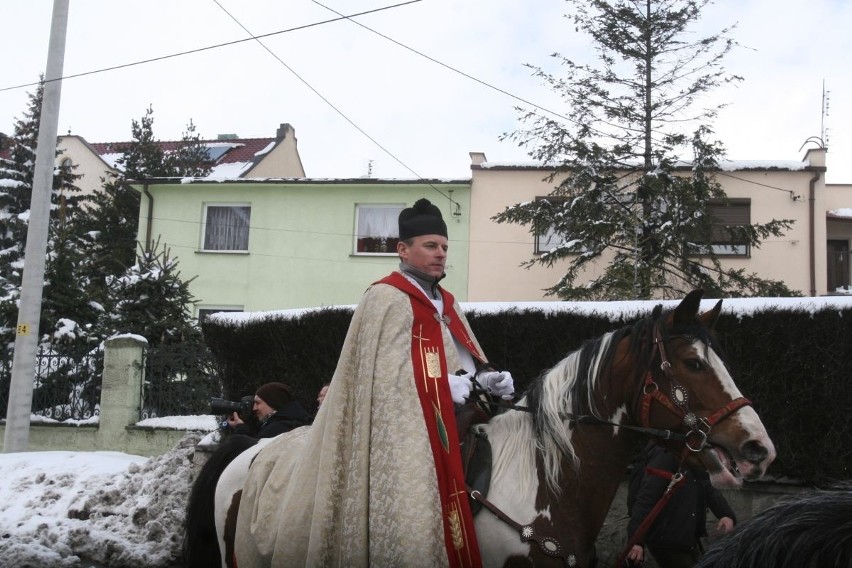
{"points": [[17, 436]]}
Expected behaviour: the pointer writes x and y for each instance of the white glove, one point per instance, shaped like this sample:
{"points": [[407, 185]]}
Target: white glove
{"points": [[460, 387], [497, 383]]}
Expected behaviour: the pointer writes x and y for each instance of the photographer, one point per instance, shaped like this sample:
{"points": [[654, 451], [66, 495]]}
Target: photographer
{"points": [[276, 411]]}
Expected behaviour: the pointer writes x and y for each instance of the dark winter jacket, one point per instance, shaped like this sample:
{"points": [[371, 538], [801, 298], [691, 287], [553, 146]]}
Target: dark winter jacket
{"points": [[283, 420], [683, 520]]}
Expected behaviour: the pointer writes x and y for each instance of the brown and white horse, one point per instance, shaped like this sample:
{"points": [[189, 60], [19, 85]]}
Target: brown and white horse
{"points": [[556, 477], [556, 467]]}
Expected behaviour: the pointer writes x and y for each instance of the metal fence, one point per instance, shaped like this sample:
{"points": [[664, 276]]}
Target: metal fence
{"points": [[66, 384], [179, 380]]}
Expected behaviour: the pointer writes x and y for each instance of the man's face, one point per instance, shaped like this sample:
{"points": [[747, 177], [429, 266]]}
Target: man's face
{"points": [[260, 408], [427, 253]]}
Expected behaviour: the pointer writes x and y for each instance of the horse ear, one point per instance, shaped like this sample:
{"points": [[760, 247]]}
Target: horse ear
{"points": [[711, 317], [686, 311]]}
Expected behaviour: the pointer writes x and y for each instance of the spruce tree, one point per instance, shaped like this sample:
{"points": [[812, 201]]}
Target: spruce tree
{"points": [[113, 212], [150, 299], [626, 193], [111, 224], [66, 314], [191, 158], [63, 387], [143, 157]]}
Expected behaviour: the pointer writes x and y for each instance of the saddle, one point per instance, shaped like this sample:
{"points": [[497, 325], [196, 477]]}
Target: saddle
{"points": [[475, 450]]}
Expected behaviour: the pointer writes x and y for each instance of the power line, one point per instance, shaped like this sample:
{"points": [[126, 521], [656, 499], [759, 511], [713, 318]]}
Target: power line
{"points": [[464, 74], [209, 47], [329, 103], [790, 191]]}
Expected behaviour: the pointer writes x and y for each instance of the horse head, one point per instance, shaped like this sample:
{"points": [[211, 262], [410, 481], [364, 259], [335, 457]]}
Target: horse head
{"points": [[689, 389]]}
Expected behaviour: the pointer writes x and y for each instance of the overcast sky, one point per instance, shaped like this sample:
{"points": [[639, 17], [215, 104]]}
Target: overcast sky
{"points": [[428, 117]]}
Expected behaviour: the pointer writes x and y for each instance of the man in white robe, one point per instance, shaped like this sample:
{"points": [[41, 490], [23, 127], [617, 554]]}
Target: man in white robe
{"points": [[377, 480]]}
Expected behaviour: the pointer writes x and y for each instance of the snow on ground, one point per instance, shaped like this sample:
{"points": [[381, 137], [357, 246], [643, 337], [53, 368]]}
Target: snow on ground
{"points": [[81, 509]]}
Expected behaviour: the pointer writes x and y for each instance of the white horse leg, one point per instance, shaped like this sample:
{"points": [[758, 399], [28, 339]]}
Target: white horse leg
{"points": [[230, 482]]}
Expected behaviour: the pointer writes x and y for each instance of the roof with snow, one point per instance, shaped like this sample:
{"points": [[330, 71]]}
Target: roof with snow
{"points": [[724, 165], [230, 158]]}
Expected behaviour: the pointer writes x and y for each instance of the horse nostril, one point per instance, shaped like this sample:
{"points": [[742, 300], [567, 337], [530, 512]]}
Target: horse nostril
{"points": [[754, 451]]}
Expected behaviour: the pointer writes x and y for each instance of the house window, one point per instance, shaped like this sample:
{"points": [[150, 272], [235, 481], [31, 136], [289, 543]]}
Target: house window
{"points": [[226, 227], [728, 213], [550, 239], [376, 228]]}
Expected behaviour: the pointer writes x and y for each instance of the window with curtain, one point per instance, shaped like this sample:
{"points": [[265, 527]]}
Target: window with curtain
{"points": [[376, 228], [226, 227], [730, 213]]}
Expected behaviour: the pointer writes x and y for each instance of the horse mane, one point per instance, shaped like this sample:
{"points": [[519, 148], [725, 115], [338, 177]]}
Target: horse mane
{"points": [[811, 530]]}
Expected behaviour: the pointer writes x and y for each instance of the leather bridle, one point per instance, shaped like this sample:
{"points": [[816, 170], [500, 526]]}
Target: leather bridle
{"points": [[677, 402]]}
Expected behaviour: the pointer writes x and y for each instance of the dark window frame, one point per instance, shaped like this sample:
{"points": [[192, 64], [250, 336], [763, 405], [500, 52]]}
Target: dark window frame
{"points": [[731, 212]]}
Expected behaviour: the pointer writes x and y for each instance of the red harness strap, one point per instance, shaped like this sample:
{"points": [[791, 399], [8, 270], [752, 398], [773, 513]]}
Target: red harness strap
{"points": [[729, 408], [676, 481]]}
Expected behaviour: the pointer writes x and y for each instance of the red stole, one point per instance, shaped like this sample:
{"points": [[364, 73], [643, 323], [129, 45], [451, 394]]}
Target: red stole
{"points": [[430, 376]]}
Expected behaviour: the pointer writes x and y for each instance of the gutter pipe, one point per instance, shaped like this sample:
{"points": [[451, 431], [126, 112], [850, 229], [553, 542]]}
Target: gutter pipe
{"points": [[812, 228], [150, 222]]}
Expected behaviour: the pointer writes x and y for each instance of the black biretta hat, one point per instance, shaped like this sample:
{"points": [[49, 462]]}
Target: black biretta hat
{"points": [[421, 219]]}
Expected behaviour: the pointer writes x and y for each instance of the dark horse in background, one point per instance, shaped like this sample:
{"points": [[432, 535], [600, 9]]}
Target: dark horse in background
{"points": [[558, 464], [809, 530]]}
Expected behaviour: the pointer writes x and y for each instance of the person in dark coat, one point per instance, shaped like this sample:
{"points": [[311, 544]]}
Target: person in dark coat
{"points": [[674, 537], [276, 411]]}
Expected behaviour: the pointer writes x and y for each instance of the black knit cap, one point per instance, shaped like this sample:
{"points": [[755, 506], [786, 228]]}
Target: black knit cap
{"points": [[422, 219], [276, 395]]}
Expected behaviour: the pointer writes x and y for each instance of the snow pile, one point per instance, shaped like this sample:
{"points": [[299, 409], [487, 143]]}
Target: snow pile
{"points": [[68, 509]]}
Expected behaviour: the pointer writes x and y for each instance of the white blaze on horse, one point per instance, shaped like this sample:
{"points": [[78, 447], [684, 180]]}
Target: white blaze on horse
{"points": [[557, 465]]}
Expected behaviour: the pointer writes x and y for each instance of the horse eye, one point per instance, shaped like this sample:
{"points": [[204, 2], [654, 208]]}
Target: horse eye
{"points": [[694, 364]]}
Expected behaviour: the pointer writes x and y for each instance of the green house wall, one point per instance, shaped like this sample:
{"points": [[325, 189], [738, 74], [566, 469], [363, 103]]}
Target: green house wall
{"points": [[301, 238]]}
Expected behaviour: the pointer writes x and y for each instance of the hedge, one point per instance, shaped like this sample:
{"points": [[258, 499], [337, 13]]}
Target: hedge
{"points": [[794, 363]]}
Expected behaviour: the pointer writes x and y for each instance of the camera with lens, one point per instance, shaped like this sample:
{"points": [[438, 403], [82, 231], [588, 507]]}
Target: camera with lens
{"points": [[242, 408]]}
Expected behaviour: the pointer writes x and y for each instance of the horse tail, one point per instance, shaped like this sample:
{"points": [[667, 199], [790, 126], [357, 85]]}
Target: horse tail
{"points": [[200, 543]]}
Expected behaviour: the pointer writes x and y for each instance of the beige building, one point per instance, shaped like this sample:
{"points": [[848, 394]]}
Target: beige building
{"points": [[230, 157], [812, 257]]}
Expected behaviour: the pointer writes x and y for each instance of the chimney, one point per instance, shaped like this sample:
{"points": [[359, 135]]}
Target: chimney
{"points": [[283, 130], [477, 158]]}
